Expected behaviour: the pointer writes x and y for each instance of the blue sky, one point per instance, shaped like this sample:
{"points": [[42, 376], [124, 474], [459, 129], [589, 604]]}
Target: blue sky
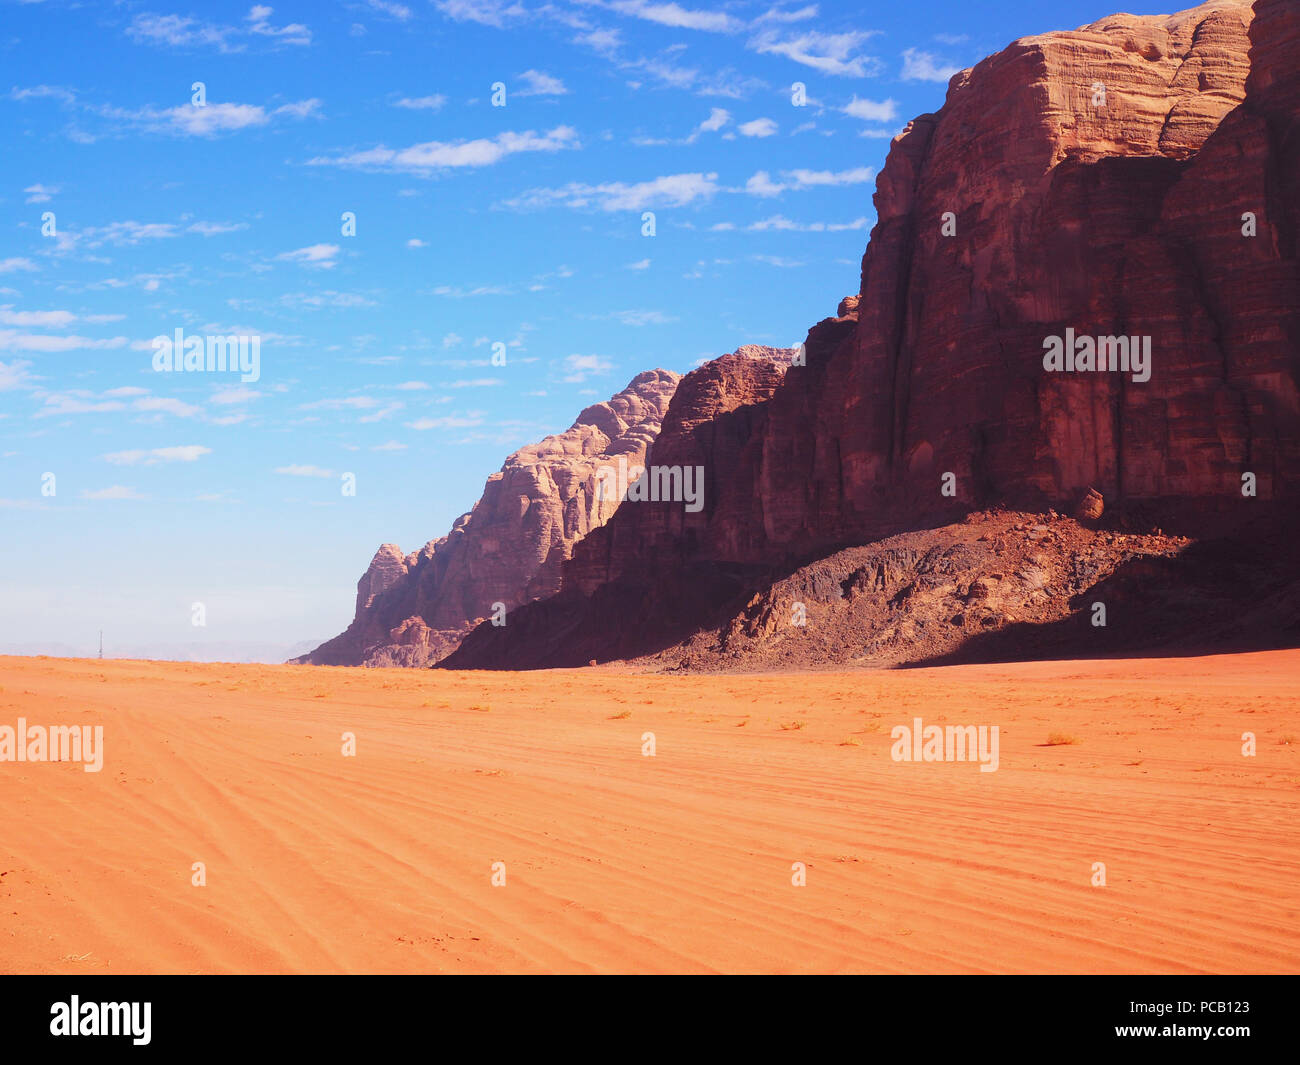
{"points": [[475, 225]]}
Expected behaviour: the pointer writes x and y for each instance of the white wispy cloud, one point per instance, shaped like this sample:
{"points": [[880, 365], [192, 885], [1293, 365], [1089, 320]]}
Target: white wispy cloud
{"points": [[258, 22], [382, 413], [718, 117], [77, 401], [44, 92], [10, 340], [314, 256], [498, 13], [393, 10], [440, 155], [14, 375], [665, 70], [36, 319], [421, 103], [537, 83], [152, 456], [211, 120], [474, 382], [761, 184], [578, 368], [673, 14], [636, 318], [304, 471], [233, 396], [58, 404], [830, 53], [179, 31], [671, 190], [872, 110], [923, 66], [605, 41], [804, 179], [212, 229], [460, 292], [778, 14], [759, 127], [342, 403], [466, 421], [116, 491], [165, 405], [325, 298], [780, 223]]}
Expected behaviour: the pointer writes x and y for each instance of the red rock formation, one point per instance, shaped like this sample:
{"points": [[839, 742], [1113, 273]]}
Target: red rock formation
{"points": [[1114, 218], [1092, 181], [413, 609], [712, 417]]}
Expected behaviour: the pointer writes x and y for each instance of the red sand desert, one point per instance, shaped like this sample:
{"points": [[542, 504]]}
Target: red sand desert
{"points": [[681, 862]]}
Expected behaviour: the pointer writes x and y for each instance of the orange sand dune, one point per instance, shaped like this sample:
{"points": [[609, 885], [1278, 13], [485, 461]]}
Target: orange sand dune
{"points": [[679, 862]]}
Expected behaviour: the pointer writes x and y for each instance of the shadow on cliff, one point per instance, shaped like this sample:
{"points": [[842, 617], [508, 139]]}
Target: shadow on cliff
{"points": [[629, 617], [1220, 596]]}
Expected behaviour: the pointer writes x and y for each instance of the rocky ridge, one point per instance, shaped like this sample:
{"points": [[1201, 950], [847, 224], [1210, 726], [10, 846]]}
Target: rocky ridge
{"points": [[413, 609]]}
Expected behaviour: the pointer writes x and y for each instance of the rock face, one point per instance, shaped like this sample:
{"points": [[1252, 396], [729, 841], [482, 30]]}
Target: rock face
{"points": [[1109, 216], [413, 609], [1136, 178], [714, 414], [1092, 506]]}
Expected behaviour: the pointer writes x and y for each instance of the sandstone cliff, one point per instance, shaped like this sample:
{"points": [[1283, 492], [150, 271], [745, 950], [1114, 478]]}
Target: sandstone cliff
{"points": [[1138, 177], [413, 609]]}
